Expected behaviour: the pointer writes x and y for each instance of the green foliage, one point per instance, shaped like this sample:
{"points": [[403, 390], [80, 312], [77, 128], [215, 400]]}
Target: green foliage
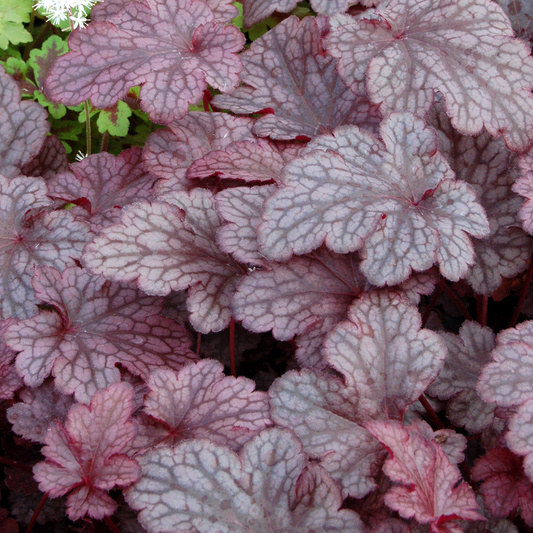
{"points": [[41, 60], [12, 14], [115, 120]]}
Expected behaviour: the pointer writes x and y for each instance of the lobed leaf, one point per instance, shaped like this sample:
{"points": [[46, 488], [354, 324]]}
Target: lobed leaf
{"points": [[199, 402], [490, 168], [23, 127], [51, 160], [507, 379], [467, 353], [199, 485], [30, 237], [396, 199], [10, 381], [465, 50], [86, 457], [520, 436], [287, 72], [94, 325], [164, 247], [429, 490], [107, 182], [172, 48]]}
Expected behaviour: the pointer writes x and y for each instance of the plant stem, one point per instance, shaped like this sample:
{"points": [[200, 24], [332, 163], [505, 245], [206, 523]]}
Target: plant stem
{"points": [[431, 412], [36, 513], [482, 303], [456, 300], [87, 127], [232, 365], [16, 464], [111, 525], [434, 297], [105, 142], [523, 294]]}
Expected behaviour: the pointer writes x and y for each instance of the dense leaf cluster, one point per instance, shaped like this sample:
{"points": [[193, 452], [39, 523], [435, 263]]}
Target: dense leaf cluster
{"points": [[329, 200]]}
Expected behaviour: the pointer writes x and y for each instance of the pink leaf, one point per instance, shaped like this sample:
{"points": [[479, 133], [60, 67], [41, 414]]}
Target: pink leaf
{"points": [[264, 488], [505, 488], [87, 454], [490, 168], [173, 48], [396, 199], [287, 71], [169, 153], [201, 402], [37, 411], [429, 492], [107, 182], [465, 50], [30, 239], [524, 187], [166, 247], [467, 353], [24, 127], [508, 379], [94, 325]]}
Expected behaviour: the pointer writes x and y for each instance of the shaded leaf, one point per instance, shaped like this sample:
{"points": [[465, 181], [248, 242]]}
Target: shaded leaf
{"points": [[505, 488], [169, 153], [172, 48], [267, 487], [23, 127], [164, 247], [465, 50], [287, 71], [94, 325], [396, 199], [10, 381], [520, 437], [86, 456], [107, 182], [467, 353], [51, 160]]}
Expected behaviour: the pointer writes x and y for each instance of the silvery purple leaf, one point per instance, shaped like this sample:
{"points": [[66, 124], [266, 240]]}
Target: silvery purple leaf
{"points": [[287, 72], [172, 48], [268, 486], [466, 50], [168, 246], [23, 127], [397, 199], [94, 325], [51, 160]]}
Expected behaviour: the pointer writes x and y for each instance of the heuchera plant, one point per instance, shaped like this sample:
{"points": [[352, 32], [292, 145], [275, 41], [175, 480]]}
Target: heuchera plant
{"points": [[290, 292]]}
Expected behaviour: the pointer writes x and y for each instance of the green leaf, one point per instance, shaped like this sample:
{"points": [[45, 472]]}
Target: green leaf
{"points": [[259, 29], [15, 67], [12, 14], [115, 120], [41, 60], [239, 19], [55, 109]]}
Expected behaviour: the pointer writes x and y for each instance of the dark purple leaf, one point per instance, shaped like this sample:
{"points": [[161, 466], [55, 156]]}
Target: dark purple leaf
{"points": [[10, 381], [94, 325], [287, 71], [51, 160], [172, 48], [169, 246], [107, 182], [23, 127]]}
